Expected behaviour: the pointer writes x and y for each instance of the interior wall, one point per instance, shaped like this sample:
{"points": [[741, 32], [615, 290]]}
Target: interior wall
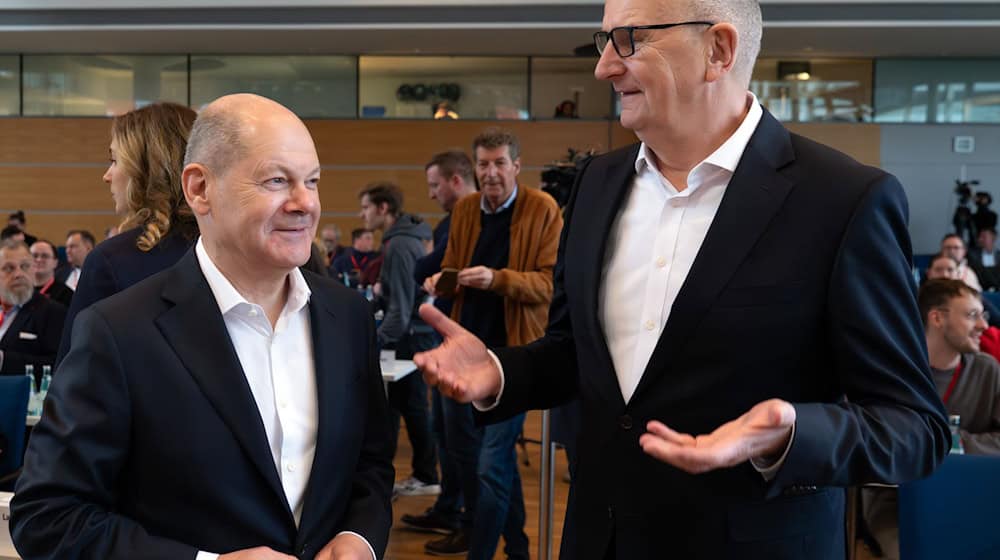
{"points": [[922, 157]]}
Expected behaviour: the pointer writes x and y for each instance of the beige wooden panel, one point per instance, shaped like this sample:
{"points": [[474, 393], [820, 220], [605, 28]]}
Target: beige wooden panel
{"points": [[364, 142], [29, 140], [621, 136], [860, 141], [339, 188], [53, 227], [54, 188]]}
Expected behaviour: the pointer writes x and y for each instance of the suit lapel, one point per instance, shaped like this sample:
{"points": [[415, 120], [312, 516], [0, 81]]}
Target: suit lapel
{"points": [[17, 323], [196, 331], [754, 195], [608, 195], [332, 359]]}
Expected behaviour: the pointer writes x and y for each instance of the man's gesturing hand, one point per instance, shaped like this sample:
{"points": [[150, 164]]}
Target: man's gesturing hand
{"points": [[460, 368], [761, 433]]}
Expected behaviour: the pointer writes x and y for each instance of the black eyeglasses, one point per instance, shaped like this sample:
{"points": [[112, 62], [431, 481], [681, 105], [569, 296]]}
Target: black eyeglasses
{"points": [[624, 40], [973, 315]]}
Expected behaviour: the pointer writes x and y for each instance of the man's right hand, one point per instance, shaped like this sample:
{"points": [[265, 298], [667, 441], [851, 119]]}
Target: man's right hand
{"points": [[460, 367], [259, 553], [430, 284]]}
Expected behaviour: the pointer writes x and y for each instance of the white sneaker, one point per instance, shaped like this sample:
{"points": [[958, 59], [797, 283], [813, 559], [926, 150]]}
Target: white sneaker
{"points": [[413, 487]]}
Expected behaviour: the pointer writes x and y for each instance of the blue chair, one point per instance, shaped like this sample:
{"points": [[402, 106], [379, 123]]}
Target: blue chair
{"points": [[14, 392], [993, 297], [953, 513]]}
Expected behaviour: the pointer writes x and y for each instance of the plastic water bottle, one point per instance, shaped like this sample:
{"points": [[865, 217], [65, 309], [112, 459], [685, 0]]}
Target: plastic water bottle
{"points": [[29, 372], [956, 437], [43, 389]]}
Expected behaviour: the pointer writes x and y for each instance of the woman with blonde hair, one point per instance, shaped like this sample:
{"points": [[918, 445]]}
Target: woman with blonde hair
{"points": [[157, 227]]}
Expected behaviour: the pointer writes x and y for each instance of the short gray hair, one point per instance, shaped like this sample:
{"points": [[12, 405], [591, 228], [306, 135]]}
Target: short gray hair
{"points": [[216, 140], [746, 17]]}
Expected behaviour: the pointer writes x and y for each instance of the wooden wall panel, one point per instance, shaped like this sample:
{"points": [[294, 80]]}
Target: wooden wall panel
{"points": [[52, 167], [621, 136], [53, 227], [412, 143], [862, 142], [54, 188], [30, 140]]}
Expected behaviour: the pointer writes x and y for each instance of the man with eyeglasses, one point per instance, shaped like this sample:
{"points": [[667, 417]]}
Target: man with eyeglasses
{"points": [[734, 306], [967, 380], [44, 255], [30, 324]]}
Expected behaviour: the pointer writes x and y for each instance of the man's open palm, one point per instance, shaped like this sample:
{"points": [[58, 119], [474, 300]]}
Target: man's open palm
{"points": [[460, 367]]}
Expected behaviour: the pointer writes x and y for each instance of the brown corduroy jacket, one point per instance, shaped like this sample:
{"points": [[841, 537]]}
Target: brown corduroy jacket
{"points": [[526, 283]]}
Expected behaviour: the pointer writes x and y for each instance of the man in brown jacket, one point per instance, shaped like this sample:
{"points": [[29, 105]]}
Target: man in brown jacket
{"points": [[503, 241]]}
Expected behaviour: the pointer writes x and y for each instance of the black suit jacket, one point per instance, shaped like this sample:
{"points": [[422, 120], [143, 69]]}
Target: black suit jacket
{"points": [[115, 264], [58, 292], [151, 445], [802, 291], [33, 336]]}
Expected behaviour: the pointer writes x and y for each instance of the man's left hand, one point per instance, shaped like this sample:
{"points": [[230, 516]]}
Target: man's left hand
{"points": [[761, 433], [480, 277], [345, 546]]}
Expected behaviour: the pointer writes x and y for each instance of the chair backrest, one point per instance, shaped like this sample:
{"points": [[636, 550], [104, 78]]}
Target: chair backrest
{"points": [[953, 513], [13, 411]]}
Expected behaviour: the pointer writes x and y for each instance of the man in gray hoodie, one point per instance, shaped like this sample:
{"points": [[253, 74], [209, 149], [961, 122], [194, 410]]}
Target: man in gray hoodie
{"points": [[405, 238]]}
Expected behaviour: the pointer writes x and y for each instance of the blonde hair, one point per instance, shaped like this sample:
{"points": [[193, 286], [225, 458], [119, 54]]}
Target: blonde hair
{"points": [[151, 144]]}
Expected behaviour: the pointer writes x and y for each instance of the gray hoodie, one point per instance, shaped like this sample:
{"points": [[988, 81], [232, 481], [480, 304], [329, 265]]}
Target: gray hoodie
{"points": [[402, 246]]}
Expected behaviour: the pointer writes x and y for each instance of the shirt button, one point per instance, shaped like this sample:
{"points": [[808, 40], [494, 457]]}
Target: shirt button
{"points": [[650, 325], [252, 312], [283, 404], [661, 262], [290, 467]]}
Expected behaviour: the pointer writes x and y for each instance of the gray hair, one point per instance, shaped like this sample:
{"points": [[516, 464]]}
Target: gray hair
{"points": [[745, 16], [216, 140]]}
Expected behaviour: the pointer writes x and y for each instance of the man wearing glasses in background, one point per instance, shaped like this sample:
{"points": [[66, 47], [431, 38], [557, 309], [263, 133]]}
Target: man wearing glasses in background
{"points": [[44, 255], [30, 324], [967, 380], [733, 305]]}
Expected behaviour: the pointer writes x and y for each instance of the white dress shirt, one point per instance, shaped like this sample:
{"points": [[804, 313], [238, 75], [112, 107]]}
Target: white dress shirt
{"points": [[279, 367], [73, 278], [653, 243]]}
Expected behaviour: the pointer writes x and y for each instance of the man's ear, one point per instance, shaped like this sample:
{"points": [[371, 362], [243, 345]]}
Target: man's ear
{"points": [[723, 42], [194, 180]]}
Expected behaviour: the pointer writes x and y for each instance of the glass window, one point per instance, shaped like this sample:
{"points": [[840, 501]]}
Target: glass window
{"points": [[10, 86], [556, 81], [937, 91], [101, 85], [311, 86], [832, 90], [468, 87]]}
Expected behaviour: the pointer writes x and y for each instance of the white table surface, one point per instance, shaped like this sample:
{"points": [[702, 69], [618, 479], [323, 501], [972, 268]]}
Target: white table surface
{"points": [[397, 370]]}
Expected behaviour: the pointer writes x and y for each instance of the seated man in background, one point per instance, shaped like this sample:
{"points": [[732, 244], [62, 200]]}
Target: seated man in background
{"points": [[44, 255], [967, 380], [352, 262], [230, 404], [986, 260], [30, 324], [953, 246], [79, 244]]}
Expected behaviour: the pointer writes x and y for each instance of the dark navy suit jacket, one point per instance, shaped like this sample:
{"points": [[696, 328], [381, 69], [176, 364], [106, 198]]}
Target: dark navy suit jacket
{"points": [[151, 444], [115, 264], [802, 291], [33, 336]]}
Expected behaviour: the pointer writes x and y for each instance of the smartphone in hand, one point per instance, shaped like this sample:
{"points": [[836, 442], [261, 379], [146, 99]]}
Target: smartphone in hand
{"points": [[448, 282]]}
